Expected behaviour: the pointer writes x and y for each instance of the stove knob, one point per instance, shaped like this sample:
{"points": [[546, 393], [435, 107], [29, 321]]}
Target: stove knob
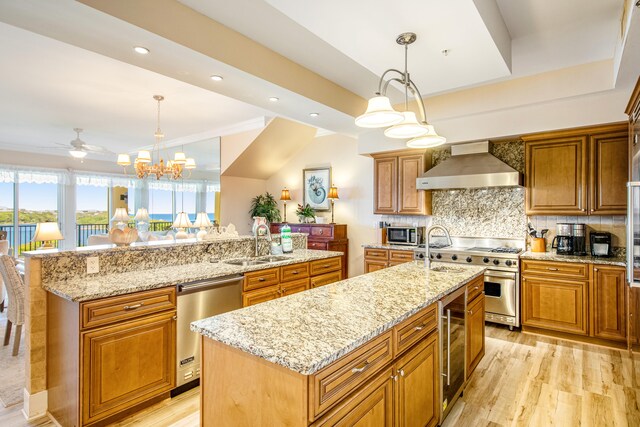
{"points": [[469, 259], [438, 256], [454, 257], [485, 260], [430, 256], [496, 261], [508, 263]]}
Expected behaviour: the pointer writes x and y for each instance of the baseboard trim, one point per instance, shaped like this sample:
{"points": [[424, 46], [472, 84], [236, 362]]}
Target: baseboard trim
{"points": [[34, 405]]}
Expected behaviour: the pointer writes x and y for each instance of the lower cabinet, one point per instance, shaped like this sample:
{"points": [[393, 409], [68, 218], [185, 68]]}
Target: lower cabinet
{"points": [[377, 259], [475, 333], [608, 299], [371, 266]]}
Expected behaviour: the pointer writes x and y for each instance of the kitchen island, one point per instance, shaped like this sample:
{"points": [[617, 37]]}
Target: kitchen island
{"points": [[345, 350]]}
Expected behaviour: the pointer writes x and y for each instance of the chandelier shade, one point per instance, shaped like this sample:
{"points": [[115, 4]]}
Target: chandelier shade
{"points": [[144, 156], [179, 158], [407, 128], [379, 114], [190, 163], [124, 160]]}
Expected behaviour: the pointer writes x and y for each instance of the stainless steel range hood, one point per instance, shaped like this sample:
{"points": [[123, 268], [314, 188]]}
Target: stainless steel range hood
{"points": [[470, 166]]}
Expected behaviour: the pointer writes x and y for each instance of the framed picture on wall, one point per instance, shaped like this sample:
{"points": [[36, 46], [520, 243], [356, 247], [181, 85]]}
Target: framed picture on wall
{"points": [[315, 185]]}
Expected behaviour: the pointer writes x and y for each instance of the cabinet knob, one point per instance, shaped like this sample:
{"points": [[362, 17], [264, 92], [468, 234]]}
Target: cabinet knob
{"points": [[595, 269], [583, 210], [401, 372], [471, 312]]}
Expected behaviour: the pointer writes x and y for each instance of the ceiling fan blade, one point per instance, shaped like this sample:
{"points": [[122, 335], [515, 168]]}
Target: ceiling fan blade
{"points": [[96, 149], [60, 144]]}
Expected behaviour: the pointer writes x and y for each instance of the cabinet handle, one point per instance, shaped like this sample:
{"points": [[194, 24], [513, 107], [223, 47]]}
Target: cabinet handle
{"points": [[261, 279], [326, 266], [471, 312], [282, 291], [476, 288], [552, 269], [294, 272], [421, 327], [394, 377], [401, 372], [360, 368], [132, 307]]}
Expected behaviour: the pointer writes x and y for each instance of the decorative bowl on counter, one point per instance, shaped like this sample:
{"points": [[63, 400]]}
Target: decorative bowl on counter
{"points": [[123, 237]]}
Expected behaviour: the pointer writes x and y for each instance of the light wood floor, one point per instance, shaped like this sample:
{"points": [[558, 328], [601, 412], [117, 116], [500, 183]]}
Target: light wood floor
{"points": [[523, 380]]}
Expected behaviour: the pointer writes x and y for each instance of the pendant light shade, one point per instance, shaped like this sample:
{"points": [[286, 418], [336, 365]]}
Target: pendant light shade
{"points": [[407, 128], [379, 114], [426, 141]]}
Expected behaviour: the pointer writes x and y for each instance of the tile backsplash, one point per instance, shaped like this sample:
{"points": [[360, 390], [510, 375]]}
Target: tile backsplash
{"points": [[614, 224]]}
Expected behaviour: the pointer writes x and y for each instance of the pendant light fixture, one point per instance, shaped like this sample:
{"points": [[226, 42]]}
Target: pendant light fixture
{"points": [[400, 124]]}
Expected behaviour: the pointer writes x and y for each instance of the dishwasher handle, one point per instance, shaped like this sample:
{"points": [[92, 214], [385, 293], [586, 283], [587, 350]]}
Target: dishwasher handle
{"points": [[207, 284]]}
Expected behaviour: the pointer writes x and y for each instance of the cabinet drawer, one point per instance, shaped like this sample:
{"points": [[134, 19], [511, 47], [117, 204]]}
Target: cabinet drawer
{"points": [[294, 272], [555, 269], [325, 265], [260, 295], [319, 246], [300, 229], [414, 329], [322, 231], [475, 288], [332, 383], [325, 279], [294, 287], [376, 254], [400, 256], [260, 279], [115, 309]]}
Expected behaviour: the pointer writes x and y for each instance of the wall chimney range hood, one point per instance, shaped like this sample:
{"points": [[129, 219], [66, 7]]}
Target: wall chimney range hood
{"points": [[470, 166]]}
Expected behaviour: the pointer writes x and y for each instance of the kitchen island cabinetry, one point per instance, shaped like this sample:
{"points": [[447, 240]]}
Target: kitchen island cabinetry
{"points": [[577, 171], [575, 300], [475, 334], [377, 259]]}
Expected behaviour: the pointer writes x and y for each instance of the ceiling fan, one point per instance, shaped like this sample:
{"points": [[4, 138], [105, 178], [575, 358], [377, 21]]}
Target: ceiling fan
{"points": [[79, 149]]}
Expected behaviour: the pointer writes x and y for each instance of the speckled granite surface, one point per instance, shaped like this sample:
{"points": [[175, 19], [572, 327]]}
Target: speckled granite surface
{"points": [[394, 247], [307, 331], [552, 256], [101, 286]]}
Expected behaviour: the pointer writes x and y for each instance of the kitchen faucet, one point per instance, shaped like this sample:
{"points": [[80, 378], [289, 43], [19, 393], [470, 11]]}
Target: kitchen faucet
{"points": [[266, 227], [428, 233]]}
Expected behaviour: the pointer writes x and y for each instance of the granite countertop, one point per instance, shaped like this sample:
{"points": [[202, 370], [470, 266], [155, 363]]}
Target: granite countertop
{"points": [[309, 330], [388, 246], [101, 286], [552, 256]]}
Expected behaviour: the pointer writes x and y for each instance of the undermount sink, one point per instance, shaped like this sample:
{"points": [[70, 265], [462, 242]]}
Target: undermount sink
{"points": [[447, 269], [274, 258], [245, 262]]}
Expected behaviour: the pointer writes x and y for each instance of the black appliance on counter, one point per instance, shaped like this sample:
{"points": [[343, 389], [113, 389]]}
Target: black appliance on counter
{"points": [[600, 244], [579, 234], [564, 239]]}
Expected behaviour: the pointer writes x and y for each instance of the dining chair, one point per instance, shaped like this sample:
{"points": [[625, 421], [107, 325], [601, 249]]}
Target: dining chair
{"points": [[4, 250], [15, 292]]}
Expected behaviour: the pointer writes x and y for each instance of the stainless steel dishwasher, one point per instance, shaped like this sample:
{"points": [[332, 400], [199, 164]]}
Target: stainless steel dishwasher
{"points": [[199, 300]]}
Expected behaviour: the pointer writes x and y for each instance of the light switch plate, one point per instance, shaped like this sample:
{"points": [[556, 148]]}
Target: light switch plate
{"points": [[93, 265]]}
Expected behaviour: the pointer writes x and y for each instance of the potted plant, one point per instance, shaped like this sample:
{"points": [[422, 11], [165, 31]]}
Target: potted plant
{"points": [[266, 206], [305, 213]]}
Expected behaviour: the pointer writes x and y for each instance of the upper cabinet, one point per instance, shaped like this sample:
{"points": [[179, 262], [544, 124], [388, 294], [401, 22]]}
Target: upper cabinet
{"points": [[395, 176], [577, 172]]}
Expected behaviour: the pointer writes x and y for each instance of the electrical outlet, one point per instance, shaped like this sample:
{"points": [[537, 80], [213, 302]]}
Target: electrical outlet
{"points": [[93, 265]]}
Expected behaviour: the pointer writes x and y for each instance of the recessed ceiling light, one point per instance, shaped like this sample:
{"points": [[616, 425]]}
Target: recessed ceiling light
{"points": [[314, 114], [141, 50], [274, 99], [216, 78]]}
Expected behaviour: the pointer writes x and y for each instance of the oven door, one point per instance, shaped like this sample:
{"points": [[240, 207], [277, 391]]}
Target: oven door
{"points": [[500, 292]]}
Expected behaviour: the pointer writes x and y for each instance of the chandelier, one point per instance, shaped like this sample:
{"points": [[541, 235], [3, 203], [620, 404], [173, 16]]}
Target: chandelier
{"points": [[144, 165], [400, 124]]}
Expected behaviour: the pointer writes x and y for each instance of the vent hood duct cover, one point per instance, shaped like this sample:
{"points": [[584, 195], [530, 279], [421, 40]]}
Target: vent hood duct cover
{"points": [[470, 166]]}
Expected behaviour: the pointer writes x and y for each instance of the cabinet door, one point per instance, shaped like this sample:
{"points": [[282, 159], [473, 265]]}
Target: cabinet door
{"points": [[410, 200], [559, 305], [634, 315], [556, 176], [325, 279], [385, 185], [260, 295], [371, 406], [608, 303], [126, 364], [609, 170], [371, 266], [475, 333], [294, 287], [416, 395]]}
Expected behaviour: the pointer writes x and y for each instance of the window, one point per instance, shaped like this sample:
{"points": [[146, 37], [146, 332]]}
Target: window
{"points": [[186, 202], [6, 211], [161, 207], [210, 205], [37, 202], [92, 212]]}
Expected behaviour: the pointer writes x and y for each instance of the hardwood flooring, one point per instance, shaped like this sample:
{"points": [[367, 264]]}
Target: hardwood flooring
{"points": [[523, 380]]}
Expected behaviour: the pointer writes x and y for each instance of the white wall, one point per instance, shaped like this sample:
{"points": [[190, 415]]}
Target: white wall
{"points": [[235, 200], [351, 173]]}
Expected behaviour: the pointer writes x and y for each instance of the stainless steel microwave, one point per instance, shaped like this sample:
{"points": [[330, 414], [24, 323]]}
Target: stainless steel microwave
{"points": [[405, 235]]}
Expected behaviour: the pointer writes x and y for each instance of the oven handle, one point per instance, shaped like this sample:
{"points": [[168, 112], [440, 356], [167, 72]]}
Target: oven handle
{"points": [[501, 274]]}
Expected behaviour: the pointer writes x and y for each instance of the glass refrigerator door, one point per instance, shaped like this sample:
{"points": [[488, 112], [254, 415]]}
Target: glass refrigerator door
{"points": [[633, 233]]}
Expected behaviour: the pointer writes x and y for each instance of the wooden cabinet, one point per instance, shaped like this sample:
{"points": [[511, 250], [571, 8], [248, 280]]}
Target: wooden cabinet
{"points": [[394, 177], [558, 305], [608, 303], [323, 237], [416, 388], [109, 356], [475, 334], [634, 316], [377, 259], [576, 171], [127, 364], [585, 301], [268, 284]]}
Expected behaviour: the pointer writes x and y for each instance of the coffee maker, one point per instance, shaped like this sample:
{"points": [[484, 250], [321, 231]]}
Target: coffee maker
{"points": [[600, 244], [564, 239], [579, 234]]}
